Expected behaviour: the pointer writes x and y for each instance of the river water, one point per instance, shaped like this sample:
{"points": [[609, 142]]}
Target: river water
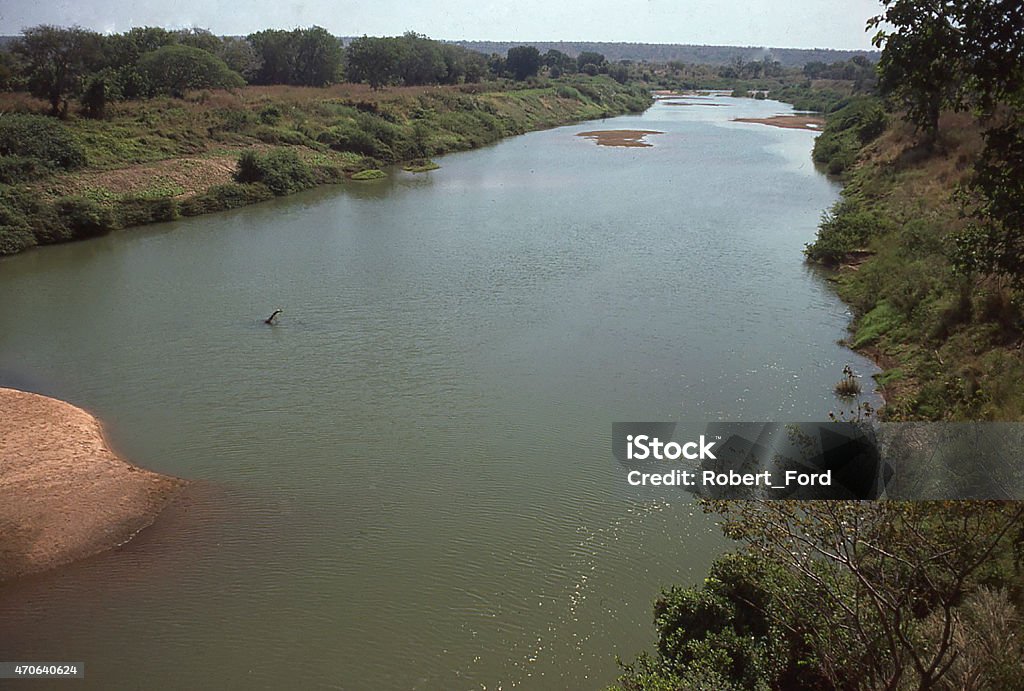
{"points": [[408, 482]]}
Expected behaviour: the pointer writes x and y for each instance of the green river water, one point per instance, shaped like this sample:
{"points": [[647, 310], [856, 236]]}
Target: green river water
{"points": [[408, 483]]}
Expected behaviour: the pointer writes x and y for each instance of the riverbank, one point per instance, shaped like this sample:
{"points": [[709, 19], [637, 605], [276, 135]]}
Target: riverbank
{"points": [[66, 495], [949, 340], [157, 160]]}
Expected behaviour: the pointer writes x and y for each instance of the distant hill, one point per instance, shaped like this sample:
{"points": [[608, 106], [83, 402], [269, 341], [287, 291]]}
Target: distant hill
{"points": [[665, 52]]}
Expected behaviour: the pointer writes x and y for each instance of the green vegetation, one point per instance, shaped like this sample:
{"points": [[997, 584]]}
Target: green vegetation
{"points": [[281, 170], [302, 57], [174, 70], [32, 146], [929, 241], [931, 216], [847, 595], [852, 123], [166, 125], [371, 174], [157, 159], [420, 165]]}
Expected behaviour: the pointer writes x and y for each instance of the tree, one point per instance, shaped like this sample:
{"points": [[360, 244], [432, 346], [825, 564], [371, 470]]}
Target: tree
{"points": [[175, 69], [864, 577], [922, 59], [523, 62], [994, 199], [277, 62], [590, 58], [204, 39], [420, 60], [317, 57], [56, 61], [373, 60], [239, 55], [556, 59], [619, 72], [950, 54]]}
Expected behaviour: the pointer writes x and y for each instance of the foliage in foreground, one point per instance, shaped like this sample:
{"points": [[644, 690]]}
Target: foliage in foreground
{"points": [[849, 595]]}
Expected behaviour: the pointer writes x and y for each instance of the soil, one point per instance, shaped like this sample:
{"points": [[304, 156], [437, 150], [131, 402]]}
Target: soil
{"points": [[65, 494], [792, 122], [619, 137]]}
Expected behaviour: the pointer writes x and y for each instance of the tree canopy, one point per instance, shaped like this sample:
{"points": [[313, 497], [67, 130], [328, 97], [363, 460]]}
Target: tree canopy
{"points": [[523, 62], [57, 60], [175, 69]]}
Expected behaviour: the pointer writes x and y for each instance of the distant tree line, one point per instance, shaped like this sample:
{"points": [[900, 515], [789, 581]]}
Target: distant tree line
{"points": [[64, 64]]}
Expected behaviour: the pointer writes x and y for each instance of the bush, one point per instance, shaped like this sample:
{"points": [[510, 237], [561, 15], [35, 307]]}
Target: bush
{"points": [[372, 174], [83, 218], [227, 196], [14, 239], [280, 135], [847, 226], [15, 169], [564, 91], [234, 120], [719, 636], [280, 170], [137, 211], [350, 137], [270, 115], [45, 139]]}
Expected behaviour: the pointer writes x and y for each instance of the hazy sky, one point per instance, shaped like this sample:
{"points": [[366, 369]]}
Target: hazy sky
{"points": [[778, 23]]}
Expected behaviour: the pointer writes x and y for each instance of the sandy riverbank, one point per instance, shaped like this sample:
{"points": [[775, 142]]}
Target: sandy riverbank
{"points": [[791, 122], [619, 137], [64, 495]]}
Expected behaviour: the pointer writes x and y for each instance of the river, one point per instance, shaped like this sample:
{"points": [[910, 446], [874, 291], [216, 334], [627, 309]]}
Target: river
{"points": [[408, 483]]}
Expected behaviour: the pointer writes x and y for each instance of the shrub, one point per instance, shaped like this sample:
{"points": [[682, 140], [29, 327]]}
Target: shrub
{"points": [[227, 196], [44, 139], [14, 239], [137, 211], [280, 170], [847, 226], [15, 169], [83, 217], [280, 135], [234, 120], [851, 123], [270, 115], [372, 174], [349, 137], [564, 91]]}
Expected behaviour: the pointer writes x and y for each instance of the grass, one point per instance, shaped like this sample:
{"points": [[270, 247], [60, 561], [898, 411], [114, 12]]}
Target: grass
{"points": [[371, 174], [949, 343], [420, 166], [848, 386], [153, 160]]}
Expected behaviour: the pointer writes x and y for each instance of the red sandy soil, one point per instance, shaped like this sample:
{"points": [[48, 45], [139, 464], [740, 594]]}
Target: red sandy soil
{"points": [[619, 137], [792, 122], [64, 495]]}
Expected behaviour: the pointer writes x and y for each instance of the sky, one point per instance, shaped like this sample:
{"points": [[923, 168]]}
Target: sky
{"points": [[776, 23]]}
